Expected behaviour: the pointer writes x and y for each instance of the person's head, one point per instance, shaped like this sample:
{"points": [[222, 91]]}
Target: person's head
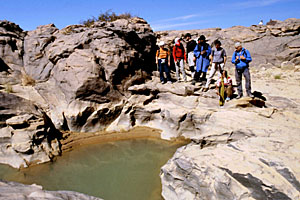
{"points": [[161, 44], [217, 43], [224, 74], [177, 40], [201, 39], [238, 46], [188, 36]]}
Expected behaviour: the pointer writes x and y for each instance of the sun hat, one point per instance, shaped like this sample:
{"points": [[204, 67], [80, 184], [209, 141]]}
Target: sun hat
{"points": [[176, 40], [237, 44], [202, 37], [188, 35], [161, 43]]}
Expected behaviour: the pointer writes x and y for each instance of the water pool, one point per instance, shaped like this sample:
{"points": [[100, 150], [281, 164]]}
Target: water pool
{"points": [[127, 169]]}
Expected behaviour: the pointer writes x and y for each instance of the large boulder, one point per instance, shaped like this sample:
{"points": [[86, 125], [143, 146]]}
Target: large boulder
{"points": [[11, 52], [89, 68], [11, 46]]}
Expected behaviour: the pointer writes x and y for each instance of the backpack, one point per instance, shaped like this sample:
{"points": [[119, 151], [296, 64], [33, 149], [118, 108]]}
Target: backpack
{"points": [[179, 53], [244, 53]]}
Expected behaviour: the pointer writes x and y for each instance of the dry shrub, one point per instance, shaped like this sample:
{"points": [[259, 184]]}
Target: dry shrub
{"points": [[108, 16], [27, 80]]}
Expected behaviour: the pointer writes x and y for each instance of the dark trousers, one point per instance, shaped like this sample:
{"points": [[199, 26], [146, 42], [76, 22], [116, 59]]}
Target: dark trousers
{"points": [[198, 74], [238, 77], [163, 67]]}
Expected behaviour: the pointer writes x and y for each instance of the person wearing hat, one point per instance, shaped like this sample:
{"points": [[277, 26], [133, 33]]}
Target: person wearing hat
{"points": [[179, 57], [241, 59], [190, 46], [163, 61], [201, 52]]}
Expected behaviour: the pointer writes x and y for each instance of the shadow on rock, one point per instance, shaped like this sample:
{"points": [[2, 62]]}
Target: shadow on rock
{"points": [[259, 95]]}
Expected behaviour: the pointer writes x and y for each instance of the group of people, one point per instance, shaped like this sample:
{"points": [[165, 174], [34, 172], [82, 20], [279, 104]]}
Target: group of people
{"points": [[199, 55]]}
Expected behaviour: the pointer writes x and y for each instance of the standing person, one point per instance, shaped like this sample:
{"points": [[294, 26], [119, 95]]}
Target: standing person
{"points": [[261, 22], [201, 52], [179, 57], [163, 61], [190, 46], [241, 58], [218, 57]]}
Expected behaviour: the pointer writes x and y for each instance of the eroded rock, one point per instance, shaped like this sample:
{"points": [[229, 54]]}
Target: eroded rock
{"points": [[18, 191]]}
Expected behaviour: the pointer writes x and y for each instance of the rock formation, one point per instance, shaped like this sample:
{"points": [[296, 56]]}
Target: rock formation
{"points": [[18, 191], [87, 79], [76, 77]]}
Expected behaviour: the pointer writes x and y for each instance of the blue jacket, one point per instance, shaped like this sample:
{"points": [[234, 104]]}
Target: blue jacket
{"points": [[240, 64], [202, 61]]}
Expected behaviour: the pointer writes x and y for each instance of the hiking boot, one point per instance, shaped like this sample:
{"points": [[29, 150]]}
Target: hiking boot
{"points": [[227, 99], [239, 96], [205, 89], [193, 82], [170, 82], [250, 95]]}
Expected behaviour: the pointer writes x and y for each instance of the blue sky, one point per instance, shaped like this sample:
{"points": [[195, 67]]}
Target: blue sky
{"points": [[162, 15]]}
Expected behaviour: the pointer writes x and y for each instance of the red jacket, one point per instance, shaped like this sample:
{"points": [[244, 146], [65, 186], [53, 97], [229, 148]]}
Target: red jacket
{"points": [[178, 52]]}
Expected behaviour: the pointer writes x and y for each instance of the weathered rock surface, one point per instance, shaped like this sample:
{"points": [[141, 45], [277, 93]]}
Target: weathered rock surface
{"points": [[27, 135], [243, 152], [18, 191]]}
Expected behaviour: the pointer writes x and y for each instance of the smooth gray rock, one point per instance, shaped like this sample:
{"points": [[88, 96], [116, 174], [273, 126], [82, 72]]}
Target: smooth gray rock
{"points": [[18, 191]]}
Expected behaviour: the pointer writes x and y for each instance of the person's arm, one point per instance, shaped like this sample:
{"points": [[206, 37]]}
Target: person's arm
{"points": [[169, 57], [196, 52], [174, 54], [224, 56], [156, 57], [248, 56], [233, 59], [208, 51]]}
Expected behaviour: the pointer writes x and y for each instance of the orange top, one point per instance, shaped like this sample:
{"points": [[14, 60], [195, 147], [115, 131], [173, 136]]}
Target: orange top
{"points": [[162, 53]]}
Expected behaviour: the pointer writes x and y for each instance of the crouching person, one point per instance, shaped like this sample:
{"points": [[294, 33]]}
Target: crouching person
{"points": [[163, 61], [224, 88]]}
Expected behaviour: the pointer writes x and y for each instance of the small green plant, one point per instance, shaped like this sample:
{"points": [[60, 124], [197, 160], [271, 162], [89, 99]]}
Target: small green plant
{"points": [[278, 76], [108, 16]]}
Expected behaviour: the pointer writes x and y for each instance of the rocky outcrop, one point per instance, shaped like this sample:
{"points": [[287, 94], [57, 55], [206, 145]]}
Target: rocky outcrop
{"points": [[242, 152], [27, 134], [18, 191], [268, 44], [89, 68], [11, 52]]}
